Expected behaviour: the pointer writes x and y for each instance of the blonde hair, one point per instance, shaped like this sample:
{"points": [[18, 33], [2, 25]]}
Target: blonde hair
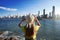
{"points": [[30, 18]]}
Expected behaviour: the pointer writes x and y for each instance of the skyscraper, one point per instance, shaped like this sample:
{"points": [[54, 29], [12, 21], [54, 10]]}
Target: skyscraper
{"points": [[38, 13], [44, 13], [49, 14], [53, 12]]}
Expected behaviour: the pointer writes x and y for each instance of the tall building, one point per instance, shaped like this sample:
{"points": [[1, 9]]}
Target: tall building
{"points": [[43, 13], [49, 14], [53, 12], [38, 13]]}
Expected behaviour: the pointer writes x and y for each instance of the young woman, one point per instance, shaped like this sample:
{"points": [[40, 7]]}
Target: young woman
{"points": [[30, 29]]}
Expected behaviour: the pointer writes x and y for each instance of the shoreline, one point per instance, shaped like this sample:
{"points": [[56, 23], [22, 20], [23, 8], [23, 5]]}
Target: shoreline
{"points": [[7, 35]]}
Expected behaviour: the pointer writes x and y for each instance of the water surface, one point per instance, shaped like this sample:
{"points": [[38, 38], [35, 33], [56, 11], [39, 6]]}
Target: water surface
{"points": [[49, 30]]}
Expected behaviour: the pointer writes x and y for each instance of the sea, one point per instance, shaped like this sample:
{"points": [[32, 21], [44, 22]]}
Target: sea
{"points": [[49, 30]]}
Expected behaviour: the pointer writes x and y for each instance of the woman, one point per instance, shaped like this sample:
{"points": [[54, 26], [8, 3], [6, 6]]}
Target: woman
{"points": [[30, 29]]}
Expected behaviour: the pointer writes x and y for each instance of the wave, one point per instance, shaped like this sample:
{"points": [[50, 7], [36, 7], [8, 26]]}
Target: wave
{"points": [[8, 35]]}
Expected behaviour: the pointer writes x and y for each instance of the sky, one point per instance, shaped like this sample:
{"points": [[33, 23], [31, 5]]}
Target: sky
{"points": [[23, 7]]}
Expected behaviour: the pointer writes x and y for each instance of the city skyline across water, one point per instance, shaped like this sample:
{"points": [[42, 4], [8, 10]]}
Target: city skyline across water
{"points": [[23, 7], [44, 15]]}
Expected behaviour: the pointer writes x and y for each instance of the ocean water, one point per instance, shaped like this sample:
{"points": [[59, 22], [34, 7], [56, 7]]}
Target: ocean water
{"points": [[49, 30]]}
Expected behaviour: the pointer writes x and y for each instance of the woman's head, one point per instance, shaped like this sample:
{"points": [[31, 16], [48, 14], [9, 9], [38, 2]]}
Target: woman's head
{"points": [[30, 18]]}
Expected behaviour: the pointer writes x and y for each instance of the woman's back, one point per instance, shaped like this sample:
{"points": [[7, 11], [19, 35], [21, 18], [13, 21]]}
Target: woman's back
{"points": [[29, 31]]}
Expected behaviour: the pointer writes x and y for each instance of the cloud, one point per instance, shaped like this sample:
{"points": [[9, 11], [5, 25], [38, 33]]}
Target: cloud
{"points": [[8, 9]]}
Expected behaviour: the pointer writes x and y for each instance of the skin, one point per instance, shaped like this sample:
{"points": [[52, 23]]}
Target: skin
{"points": [[36, 20]]}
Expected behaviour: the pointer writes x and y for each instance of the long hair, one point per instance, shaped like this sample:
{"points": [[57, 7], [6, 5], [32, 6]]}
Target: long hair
{"points": [[30, 17], [29, 31]]}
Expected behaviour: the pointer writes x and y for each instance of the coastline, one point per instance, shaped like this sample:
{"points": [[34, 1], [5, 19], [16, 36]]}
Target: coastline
{"points": [[7, 35]]}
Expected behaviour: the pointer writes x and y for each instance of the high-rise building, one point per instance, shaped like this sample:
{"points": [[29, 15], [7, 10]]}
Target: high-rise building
{"points": [[53, 12], [43, 13], [49, 14], [38, 13]]}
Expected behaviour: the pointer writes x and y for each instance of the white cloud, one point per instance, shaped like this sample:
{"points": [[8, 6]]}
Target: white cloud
{"points": [[8, 9]]}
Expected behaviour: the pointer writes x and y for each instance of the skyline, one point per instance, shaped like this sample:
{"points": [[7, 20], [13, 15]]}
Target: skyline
{"points": [[23, 7]]}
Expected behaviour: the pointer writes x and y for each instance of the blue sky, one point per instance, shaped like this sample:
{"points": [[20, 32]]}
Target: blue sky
{"points": [[23, 7]]}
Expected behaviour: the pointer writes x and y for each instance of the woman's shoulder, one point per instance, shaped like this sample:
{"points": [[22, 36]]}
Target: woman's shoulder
{"points": [[36, 27]]}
